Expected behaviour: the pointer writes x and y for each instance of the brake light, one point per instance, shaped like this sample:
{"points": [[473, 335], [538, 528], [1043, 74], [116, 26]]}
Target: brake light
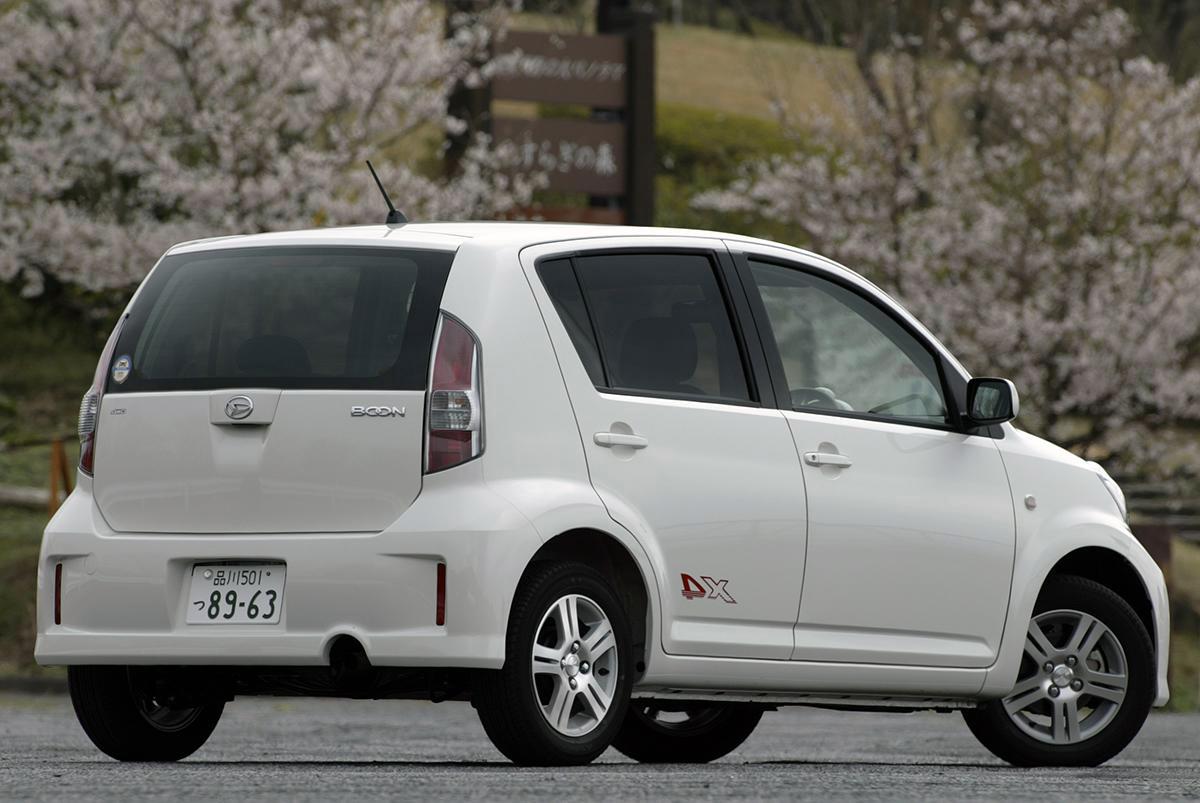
{"points": [[89, 408], [455, 413]]}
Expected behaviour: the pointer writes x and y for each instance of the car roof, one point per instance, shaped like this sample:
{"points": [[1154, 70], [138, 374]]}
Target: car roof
{"points": [[516, 234], [449, 236]]}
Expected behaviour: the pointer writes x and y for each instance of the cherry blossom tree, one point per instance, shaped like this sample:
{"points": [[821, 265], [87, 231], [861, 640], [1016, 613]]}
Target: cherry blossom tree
{"points": [[1030, 190], [129, 125]]}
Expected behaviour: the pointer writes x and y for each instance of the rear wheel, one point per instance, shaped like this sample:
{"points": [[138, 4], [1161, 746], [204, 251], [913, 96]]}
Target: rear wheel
{"points": [[1085, 685], [134, 714], [656, 732], [564, 688]]}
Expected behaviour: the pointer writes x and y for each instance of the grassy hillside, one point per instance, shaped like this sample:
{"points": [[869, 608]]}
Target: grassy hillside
{"points": [[732, 73], [742, 75]]}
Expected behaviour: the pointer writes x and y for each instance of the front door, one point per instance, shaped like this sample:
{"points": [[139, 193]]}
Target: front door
{"points": [[911, 530], [678, 446]]}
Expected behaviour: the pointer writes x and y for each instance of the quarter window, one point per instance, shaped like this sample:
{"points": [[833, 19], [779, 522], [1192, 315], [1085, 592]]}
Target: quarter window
{"points": [[842, 353]]}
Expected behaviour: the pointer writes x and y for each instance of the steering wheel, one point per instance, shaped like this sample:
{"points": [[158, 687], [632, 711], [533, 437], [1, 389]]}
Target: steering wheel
{"points": [[814, 397]]}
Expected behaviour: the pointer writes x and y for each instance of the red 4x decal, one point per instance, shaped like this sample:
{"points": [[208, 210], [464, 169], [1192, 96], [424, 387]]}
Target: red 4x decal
{"points": [[711, 589]]}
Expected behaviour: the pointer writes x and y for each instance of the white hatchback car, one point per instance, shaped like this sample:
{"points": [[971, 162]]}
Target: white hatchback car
{"points": [[615, 486]]}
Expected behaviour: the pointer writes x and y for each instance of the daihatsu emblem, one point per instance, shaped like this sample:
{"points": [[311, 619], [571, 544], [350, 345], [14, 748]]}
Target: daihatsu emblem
{"points": [[239, 407]]}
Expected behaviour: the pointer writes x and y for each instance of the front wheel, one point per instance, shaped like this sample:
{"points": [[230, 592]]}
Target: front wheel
{"points": [[564, 687], [1085, 685], [135, 714], [684, 733]]}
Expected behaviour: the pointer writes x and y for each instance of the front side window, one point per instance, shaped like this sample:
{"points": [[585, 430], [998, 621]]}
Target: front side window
{"points": [[840, 352], [650, 323]]}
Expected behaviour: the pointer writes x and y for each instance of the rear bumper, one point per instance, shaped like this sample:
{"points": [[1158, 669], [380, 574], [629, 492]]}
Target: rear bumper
{"points": [[124, 595]]}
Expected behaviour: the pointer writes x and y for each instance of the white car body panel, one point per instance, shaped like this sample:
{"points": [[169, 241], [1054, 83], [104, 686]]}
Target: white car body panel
{"points": [[925, 627], [1073, 511], [941, 505], [674, 494]]}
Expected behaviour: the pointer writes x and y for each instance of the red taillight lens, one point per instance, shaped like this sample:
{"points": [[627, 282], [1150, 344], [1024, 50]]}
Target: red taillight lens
{"points": [[455, 412], [89, 408]]}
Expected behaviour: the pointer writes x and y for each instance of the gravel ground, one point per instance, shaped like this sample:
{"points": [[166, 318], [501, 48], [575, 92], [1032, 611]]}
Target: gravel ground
{"points": [[323, 749]]}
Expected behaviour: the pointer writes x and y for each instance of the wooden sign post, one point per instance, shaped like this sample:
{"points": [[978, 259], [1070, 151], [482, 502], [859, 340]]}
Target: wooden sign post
{"points": [[607, 155]]}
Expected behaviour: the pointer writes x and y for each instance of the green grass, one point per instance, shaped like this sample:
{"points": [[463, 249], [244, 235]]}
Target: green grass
{"points": [[20, 540], [702, 149], [1184, 584], [48, 354], [30, 465]]}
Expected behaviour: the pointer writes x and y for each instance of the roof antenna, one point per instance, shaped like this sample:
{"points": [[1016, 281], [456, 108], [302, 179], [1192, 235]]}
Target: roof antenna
{"points": [[394, 215]]}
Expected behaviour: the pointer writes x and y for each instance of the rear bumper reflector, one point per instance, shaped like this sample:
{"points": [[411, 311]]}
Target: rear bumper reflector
{"points": [[58, 594], [440, 616]]}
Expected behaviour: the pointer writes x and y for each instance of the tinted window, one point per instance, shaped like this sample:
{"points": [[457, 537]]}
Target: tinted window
{"points": [[559, 280], [662, 325], [286, 317], [842, 352]]}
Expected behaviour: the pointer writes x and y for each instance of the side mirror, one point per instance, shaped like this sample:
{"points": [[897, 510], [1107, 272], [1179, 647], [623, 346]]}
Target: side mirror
{"points": [[991, 401]]}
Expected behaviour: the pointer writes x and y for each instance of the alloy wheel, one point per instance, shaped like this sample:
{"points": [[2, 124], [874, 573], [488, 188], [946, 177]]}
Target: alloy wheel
{"points": [[574, 665], [1073, 678]]}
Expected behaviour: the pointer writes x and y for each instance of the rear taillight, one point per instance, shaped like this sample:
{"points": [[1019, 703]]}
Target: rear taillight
{"points": [[89, 408], [455, 410]]}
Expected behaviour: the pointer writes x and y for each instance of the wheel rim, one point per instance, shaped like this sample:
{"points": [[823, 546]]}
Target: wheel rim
{"points": [[1073, 678], [677, 719], [154, 706], [574, 665]]}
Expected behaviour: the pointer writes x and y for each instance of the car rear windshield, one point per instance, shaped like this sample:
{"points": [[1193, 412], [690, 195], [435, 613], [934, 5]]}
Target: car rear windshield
{"points": [[287, 317]]}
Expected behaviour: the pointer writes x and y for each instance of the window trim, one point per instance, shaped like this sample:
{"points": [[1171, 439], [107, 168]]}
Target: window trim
{"points": [[757, 386], [782, 393]]}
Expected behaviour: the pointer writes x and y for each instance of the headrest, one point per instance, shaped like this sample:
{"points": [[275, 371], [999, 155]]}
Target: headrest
{"points": [[657, 354], [273, 355]]}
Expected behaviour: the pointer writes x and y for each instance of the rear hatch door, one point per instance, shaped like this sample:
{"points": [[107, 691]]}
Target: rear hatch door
{"points": [[271, 389]]}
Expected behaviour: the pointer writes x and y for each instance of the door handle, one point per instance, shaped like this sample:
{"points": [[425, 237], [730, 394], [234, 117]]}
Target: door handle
{"points": [[832, 459], [610, 439]]}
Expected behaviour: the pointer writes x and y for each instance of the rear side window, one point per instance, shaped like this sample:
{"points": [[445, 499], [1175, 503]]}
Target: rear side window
{"points": [[559, 280], [352, 318], [658, 323]]}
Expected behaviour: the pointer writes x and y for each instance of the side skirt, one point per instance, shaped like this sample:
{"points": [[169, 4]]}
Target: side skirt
{"points": [[847, 702]]}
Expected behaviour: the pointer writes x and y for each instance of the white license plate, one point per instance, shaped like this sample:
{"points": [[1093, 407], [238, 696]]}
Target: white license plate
{"points": [[236, 593]]}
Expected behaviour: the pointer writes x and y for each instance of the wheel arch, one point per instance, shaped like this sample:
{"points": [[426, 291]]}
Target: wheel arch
{"points": [[1112, 570], [1104, 553], [613, 559]]}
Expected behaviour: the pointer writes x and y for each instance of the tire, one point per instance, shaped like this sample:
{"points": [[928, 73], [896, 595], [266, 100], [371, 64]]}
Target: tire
{"points": [[516, 703], [1032, 726], [121, 712], [654, 733]]}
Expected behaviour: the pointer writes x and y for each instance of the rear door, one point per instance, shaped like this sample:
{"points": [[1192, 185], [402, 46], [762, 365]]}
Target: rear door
{"points": [[270, 389], [678, 444]]}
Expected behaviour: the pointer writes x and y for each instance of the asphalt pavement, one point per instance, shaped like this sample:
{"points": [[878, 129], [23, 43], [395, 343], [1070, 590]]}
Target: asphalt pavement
{"points": [[276, 749]]}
